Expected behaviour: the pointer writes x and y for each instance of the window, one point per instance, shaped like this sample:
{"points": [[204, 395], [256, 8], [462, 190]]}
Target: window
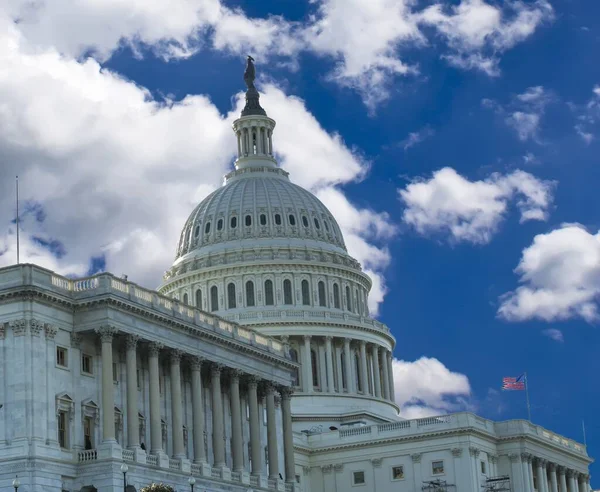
{"points": [[277, 219], [358, 478], [437, 467], [197, 231], [326, 225], [317, 225], [250, 294], [305, 293], [287, 291], [248, 220], [231, 304], [348, 298], [322, 300], [199, 299], [336, 296], [115, 372], [87, 365], [263, 219], [398, 472], [483, 467], [207, 228], [314, 368], [220, 225], [214, 298], [88, 437], [233, 222], [185, 298], [269, 299], [62, 430], [61, 357], [292, 219], [305, 221]]}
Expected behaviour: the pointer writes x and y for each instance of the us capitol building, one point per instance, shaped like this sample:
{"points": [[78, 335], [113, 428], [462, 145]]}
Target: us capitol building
{"points": [[255, 366]]}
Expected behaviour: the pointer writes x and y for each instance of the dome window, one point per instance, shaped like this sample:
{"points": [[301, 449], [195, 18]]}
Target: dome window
{"points": [[322, 300], [269, 298], [207, 228], [317, 225], [199, 298], [305, 221], [185, 299], [292, 219], [305, 293], [348, 299], [248, 220], [263, 219], [233, 222], [220, 225], [287, 291], [277, 219], [214, 298], [250, 294], [336, 296], [326, 225], [231, 304], [197, 231]]}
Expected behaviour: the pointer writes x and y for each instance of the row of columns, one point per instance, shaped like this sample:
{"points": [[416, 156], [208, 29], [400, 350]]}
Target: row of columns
{"points": [[380, 363], [108, 430], [264, 141], [550, 477]]}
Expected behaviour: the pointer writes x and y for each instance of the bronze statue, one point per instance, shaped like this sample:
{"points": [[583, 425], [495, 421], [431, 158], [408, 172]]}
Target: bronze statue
{"points": [[250, 73]]}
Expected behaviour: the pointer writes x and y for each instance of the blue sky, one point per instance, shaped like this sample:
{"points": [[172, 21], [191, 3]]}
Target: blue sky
{"points": [[451, 139]]}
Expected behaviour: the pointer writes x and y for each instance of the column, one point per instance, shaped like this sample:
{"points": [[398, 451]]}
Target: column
{"points": [[236, 423], [553, 481], [516, 472], [545, 486], [255, 446], [108, 392], [198, 411], [155, 428], [307, 367], [391, 371], [217, 417], [288, 437], [385, 384], [364, 382], [176, 411], [562, 478], [376, 373], [571, 479], [272, 433], [530, 470], [133, 425], [337, 353], [526, 478], [348, 367], [329, 364]]}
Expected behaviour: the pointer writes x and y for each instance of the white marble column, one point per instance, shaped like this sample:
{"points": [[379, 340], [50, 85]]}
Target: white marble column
{"points": [[255, 445], [236, 422], [217, 417], [288, 437], [176, 410], [133, 425], [329, 364], [553, 480], [376, 372], [337, 351], [571, 480], [562, 479], [526, 478], [272, 433], [364, 373], [391, 375], [385, 384], [198, 411], [108, 392], [350, 387], [545, 484], [154, 390], [516, 472], [531, 472], [307, 377]]}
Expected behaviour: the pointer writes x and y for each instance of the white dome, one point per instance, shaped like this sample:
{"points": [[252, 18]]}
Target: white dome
{"points": [[259, 203]]}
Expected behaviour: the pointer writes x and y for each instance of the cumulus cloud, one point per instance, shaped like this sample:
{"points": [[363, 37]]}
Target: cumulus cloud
{"points": [[588, 116], [559, 276], [427, 387], [471, 211]]}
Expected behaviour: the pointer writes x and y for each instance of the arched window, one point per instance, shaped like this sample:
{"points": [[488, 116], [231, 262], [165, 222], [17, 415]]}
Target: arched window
{"points": [[359, 305], [219, 224], [197, 231], [287, 291], [322, 300], [269, 297], [185, 298], [326, 225], [207, 228], [199, 299], [348, 298], [305, 293], [305, 221], [233, 222], [248, 220], [231, 304], [315, 368], [214, 298], [343, 382], [263, 219], [277, 219], [317, 225], [336, 296], [250, 294], [294, 357], [292, 219], [357, 365]]}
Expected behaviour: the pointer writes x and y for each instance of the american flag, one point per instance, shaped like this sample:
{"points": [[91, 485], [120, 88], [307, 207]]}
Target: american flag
{"points": [[517, 384]]}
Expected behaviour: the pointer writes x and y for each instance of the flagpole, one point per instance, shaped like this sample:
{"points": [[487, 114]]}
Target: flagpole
{"points": [[584, 438], [17, 185], [527, 396]]}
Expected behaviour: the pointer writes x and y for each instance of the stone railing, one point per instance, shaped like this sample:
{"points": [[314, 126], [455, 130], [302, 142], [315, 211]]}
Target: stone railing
{"points": [[106, 283], [152, 460], [173, 464], [128, 455], [87, 455]]}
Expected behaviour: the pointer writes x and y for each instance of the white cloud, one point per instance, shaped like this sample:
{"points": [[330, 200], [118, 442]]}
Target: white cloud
{"points": [[117, 172], [415, 138], [471, 211], [554, 334], [588, 117], [427, 387], [477, 32], [560, 278]]}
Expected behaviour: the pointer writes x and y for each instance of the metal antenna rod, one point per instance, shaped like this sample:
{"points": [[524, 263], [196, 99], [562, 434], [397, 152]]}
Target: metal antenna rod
{"points": [[18, 256]]}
